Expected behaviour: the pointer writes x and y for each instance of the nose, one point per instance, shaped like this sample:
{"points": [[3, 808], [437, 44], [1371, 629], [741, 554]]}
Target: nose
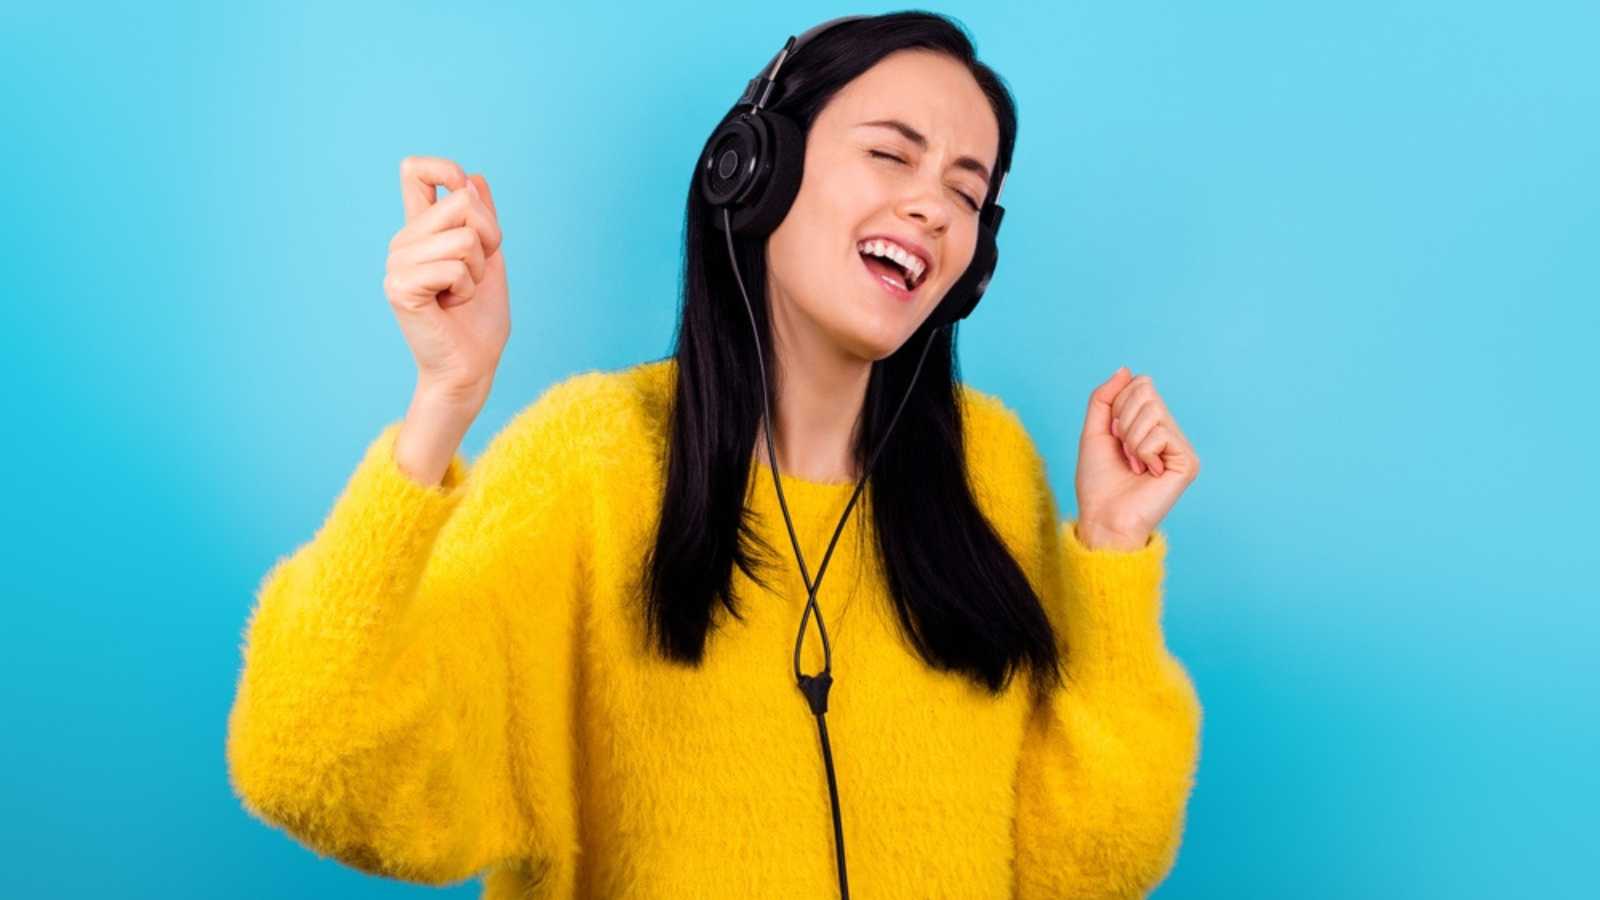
{"points": [[924, 205]]}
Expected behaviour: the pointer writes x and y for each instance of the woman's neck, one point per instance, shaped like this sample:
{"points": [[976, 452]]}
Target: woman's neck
{"points": [[820, 393]]}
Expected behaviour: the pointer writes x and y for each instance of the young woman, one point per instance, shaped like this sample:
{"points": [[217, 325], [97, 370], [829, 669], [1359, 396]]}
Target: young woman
{"points": [[574, 667]]}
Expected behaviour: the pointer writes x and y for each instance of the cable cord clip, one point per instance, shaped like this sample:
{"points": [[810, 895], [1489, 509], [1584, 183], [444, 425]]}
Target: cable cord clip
{"points": [[815, 687]]}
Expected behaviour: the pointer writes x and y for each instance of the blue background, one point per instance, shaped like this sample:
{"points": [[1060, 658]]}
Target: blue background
{"points": [[1355, 246]]}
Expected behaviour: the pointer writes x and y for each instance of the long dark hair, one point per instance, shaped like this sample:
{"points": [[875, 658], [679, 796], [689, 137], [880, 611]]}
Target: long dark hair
{"points": [[963, 601]]}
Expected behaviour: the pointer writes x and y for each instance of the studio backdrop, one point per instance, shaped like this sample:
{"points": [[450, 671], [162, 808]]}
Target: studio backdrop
{"points": [[1356, 245]]}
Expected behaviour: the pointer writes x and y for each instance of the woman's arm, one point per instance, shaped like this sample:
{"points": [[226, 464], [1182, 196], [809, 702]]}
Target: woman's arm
{"points": [[1109, 756], [1108, 760], [374, 717]]}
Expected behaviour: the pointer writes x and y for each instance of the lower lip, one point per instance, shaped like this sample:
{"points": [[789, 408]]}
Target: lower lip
{"points": [[894, 290]]}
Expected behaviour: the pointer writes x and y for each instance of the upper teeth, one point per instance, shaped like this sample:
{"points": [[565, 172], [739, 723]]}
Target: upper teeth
{"points": [[910, 261]]}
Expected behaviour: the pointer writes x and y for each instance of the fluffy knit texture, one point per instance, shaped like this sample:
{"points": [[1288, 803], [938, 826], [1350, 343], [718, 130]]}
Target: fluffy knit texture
{"points": [[453, 681]]}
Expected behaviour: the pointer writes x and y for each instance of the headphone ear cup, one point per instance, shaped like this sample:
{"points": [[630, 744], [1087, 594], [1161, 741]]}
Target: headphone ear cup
{"points": [[963, 296], [767, 206], [729, 164], [752, 167]]}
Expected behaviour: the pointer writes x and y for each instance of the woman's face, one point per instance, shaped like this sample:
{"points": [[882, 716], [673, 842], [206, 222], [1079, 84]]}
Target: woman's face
{"points": [[867, 180]]}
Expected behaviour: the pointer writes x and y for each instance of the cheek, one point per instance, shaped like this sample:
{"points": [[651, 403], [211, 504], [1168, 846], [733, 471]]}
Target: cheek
{"points": [[803, 255], [964, 246], [842, 195], [819, 232]]}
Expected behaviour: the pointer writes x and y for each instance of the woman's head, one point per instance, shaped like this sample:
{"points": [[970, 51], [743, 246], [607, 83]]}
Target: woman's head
{"points": [[902, 151], [917, 180], [963, 601]]}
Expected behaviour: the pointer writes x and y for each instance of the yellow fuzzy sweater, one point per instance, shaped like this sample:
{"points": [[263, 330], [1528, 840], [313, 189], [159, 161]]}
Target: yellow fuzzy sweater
{"points": [[453, 681]]}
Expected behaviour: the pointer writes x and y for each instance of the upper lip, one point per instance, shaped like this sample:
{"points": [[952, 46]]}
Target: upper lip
{"points": [[908, 245]]}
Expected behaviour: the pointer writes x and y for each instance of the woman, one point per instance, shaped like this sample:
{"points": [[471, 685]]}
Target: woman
{"points": [[573, 667]]}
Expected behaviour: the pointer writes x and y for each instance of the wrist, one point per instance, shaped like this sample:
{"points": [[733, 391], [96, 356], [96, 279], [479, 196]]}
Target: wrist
{"points": [[430, 436], [1094, 536], [463, 399], [446, 406]]}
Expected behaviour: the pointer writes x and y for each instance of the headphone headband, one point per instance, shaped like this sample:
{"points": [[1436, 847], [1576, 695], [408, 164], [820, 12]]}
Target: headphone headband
{"points": [[759, 88]]}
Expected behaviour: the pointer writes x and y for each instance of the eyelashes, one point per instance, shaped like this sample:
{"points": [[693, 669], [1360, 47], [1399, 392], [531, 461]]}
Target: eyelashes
{"points": [[972, 204]]}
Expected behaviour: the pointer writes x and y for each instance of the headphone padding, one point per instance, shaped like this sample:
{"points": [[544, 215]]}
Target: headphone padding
{"points": [[788, 147], [963, 296]]}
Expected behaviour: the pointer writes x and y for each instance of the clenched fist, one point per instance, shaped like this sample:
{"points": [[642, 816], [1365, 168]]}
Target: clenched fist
{"points": [[446, 280], [1133, 463]]}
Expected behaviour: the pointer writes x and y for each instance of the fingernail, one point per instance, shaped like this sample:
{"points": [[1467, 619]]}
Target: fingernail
{"points": [[472, 187]]}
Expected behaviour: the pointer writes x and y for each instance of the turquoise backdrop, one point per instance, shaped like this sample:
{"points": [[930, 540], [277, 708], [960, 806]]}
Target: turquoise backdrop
{"points": [[1357, 246]]}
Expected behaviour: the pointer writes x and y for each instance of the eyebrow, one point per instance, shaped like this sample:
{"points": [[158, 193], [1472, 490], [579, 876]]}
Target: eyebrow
{"points": [[915, 137]]}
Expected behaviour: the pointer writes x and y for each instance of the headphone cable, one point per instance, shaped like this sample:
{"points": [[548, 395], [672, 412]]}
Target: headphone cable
{"points": [[815, 687]]}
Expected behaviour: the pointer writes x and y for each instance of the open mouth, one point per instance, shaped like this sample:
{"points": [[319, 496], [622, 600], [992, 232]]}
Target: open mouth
{"points": [[892, 265]]}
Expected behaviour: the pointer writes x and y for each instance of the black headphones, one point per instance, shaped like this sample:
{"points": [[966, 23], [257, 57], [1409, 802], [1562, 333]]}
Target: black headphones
{"points": [[752, 165], [750, 173]]}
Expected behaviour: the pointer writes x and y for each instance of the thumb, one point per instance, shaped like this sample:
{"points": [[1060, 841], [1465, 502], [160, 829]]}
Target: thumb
{"points": [[1097, 420], [482, 184]]}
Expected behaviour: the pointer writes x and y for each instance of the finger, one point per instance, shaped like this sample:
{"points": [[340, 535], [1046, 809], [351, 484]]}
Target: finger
{"points": [[485, 195], [461, 290], [1133, 462], [1140, 420], [420, 177], [1178, 442], [1127, 454], [1097, 419], [1134, 389], [1120, 423], [460, 208], [1150, 449], [417, 287], [457, 243]]}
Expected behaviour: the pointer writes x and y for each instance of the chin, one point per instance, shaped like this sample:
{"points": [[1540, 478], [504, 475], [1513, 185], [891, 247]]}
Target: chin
{"points": [[868, 327], [871, 338]]}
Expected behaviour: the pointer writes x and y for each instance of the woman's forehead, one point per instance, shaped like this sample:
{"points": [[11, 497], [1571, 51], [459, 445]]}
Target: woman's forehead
{"points": [[931, 93]]}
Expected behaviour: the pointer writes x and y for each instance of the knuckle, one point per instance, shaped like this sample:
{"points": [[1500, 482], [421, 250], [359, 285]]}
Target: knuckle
{"points": [[463, 239]]}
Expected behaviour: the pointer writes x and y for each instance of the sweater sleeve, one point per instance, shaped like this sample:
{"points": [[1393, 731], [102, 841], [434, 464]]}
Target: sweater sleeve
{"points": [[1108, 758], [375, 717]]}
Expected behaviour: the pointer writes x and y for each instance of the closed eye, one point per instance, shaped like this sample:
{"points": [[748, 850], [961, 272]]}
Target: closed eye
{"points": [[973, 204]]}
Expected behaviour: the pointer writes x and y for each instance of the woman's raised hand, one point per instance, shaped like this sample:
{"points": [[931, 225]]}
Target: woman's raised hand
{"points": [[446, 281]]}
